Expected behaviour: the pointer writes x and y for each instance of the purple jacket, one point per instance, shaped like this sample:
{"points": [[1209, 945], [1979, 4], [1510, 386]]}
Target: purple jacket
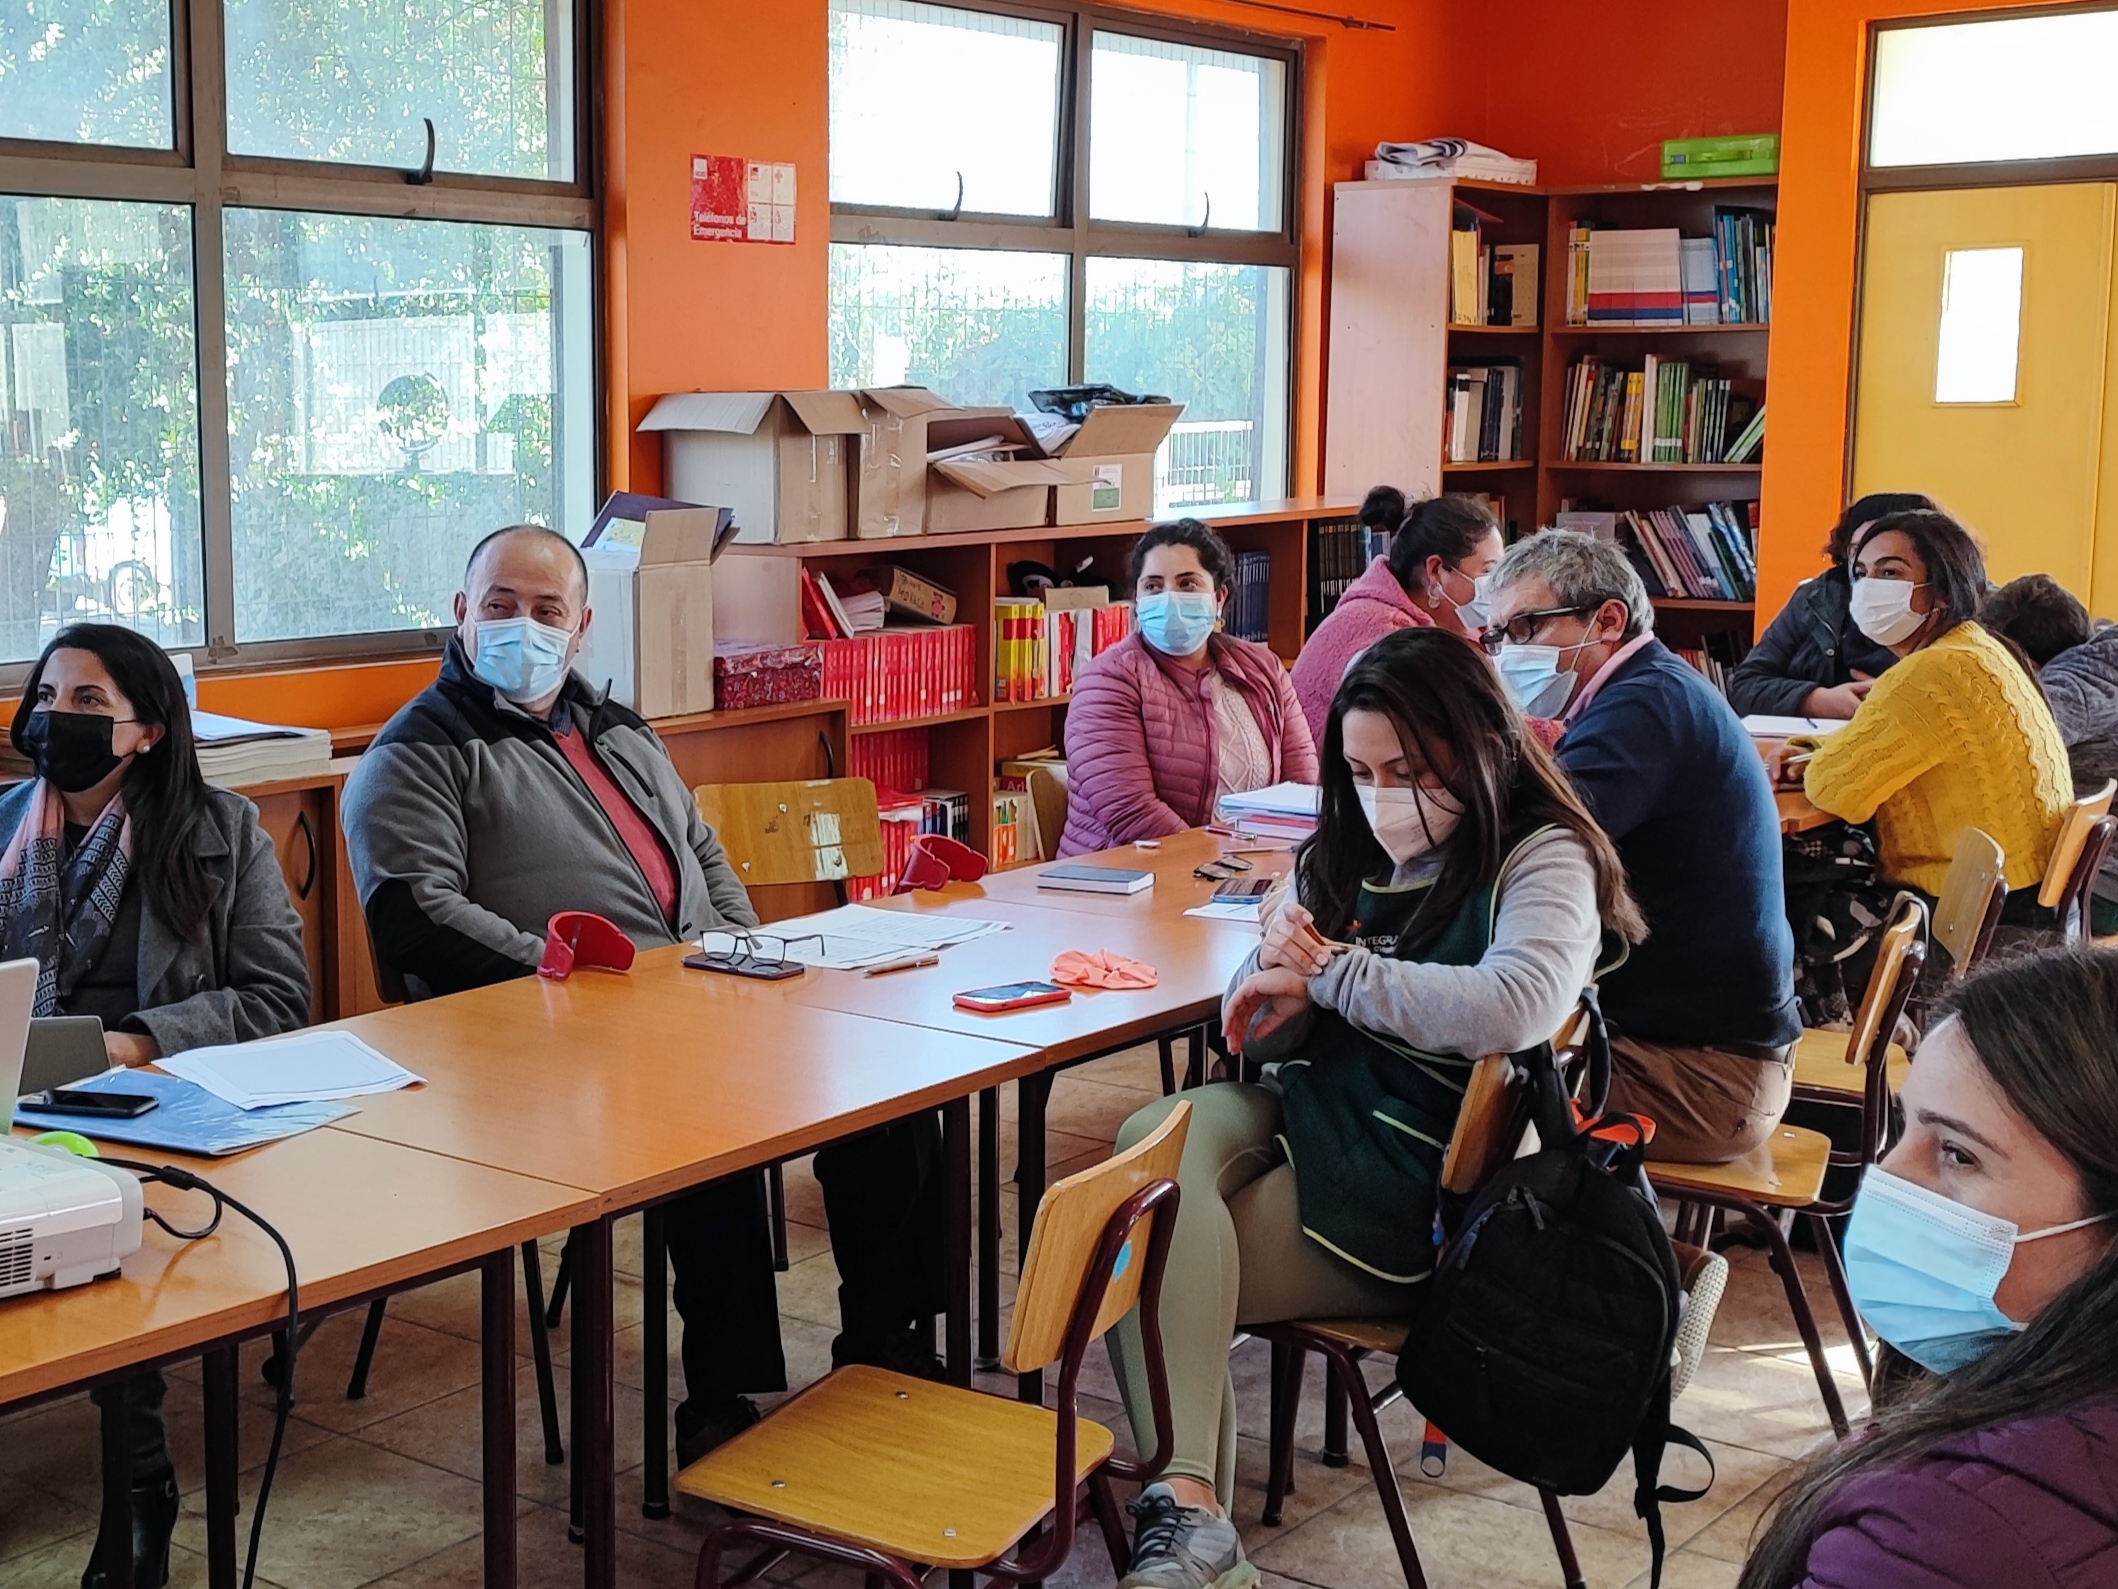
{"points": [[2026, 1505], [1374, 605], [1142, 756]]}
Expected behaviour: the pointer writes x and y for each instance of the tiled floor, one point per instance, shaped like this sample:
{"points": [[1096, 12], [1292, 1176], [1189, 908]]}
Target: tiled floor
{"points": [[384, 1491]]}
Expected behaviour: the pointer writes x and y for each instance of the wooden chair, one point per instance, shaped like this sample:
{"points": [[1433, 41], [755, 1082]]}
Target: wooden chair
{"points": [[893, 1475], [1489, 1129], [1048, 800], [1786, 1173], [821, 830], [1828, 1066], [1973, 892], [2077, 855]]}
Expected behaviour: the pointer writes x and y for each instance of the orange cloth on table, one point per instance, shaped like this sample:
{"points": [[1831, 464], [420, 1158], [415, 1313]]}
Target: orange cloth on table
{"points": [[1099, 968]]}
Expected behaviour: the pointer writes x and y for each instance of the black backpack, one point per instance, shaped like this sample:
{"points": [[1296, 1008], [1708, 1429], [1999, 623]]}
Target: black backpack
{"points": [[1542, 1346]]}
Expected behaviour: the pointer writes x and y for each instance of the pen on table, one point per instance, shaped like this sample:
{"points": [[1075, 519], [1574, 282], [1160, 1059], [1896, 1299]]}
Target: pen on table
{"points": [[910, 963]]}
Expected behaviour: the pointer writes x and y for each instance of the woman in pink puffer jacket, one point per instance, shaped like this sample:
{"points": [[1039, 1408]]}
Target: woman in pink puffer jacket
{"points": [[1171, 718]]}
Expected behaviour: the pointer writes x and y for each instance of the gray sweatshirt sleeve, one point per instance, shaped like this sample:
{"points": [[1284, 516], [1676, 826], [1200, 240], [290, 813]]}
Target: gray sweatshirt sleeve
{"points": [[1545, 935]]}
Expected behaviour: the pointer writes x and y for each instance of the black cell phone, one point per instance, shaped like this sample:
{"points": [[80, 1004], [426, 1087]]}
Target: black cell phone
{"points": [[745, 966], [1239, 889], [105, 1105]]}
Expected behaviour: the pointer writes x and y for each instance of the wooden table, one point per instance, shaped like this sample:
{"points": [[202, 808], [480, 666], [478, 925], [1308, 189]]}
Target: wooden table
{"points": [[1798, 813], [416, 1216], [1171, 860]]}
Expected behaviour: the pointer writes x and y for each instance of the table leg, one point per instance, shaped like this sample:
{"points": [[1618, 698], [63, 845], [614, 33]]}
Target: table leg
{"points": [[117, 1484], [593, 1440], [496, 1337], [956, 1145], [1031, 1094], [989, 1228], [654, 1353], [219, 1371]]}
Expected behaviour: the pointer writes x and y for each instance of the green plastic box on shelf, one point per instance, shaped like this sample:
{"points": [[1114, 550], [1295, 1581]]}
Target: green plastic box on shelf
{"points": [[1738, 155]]}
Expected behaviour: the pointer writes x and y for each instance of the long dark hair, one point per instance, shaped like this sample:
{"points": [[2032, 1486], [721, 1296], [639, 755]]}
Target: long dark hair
{"points": [[2041, 1026], [1838, 545], [1956, 568], [1447, 702], [164, 791], [1214, 555], [1449, 527]]}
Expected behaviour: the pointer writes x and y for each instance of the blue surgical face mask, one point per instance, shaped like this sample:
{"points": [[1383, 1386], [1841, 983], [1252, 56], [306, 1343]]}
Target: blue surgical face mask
{"points": [[1472, 613], [1923, 1269], [1533, 676], [1177, 622], [521, 658]]}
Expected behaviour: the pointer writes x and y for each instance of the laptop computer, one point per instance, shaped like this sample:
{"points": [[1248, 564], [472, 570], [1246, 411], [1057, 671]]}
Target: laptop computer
{"points": [[18, 995]]}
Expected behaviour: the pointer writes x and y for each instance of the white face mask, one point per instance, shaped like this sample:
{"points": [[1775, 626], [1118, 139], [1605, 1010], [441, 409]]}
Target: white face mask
{"points": [[1409, 823], [1534, 676], [1882, 610], [1471, 613]]}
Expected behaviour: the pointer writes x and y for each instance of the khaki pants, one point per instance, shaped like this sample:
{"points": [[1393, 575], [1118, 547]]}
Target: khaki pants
{"points": [[1237, 1256], [1709, 1105]]}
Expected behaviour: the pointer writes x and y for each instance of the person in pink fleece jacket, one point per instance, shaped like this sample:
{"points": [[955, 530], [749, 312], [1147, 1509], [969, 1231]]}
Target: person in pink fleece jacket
{"points": [[1439, 554], [1170, 719]]}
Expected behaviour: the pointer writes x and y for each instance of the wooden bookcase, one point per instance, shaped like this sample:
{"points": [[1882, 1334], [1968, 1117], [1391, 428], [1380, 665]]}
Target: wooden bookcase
{"points": [[1392, 344], [964, 747]]}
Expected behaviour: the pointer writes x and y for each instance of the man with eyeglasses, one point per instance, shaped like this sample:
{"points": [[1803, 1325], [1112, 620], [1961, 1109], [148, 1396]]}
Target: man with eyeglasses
{"points": [[511, 789], [1703, 1014]]}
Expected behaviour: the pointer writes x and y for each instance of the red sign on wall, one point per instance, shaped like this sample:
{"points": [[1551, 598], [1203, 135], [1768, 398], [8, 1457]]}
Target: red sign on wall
{"points": [[734, 200]]}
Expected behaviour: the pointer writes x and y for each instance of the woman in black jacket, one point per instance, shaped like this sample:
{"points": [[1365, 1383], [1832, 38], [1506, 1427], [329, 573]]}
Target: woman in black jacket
{"points": [[1812, 661]]}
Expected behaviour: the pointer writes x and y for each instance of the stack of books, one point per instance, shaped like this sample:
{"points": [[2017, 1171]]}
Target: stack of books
{"points": [[901, 824], [1665, 411], [1014, 828], [1040, 647], [1704, 553], [1248, 615], [1715, 657], [1483, 423], [1743, 258], [1655, 276], [1340, 551], [895, 760], [1491, 284], [902, 673], [1282, 811]]}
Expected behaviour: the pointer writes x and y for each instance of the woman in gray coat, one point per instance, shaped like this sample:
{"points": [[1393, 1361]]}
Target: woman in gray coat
{"points": [[147, 900]]}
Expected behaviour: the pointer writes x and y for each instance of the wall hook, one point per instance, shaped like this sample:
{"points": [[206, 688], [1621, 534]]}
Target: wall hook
{"points": [[954, 212], [425, 174], [1206, 221]]}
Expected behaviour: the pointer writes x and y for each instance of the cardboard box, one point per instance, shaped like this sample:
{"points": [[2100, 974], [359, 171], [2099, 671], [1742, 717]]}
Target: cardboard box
{"points": [[985, 472], [651, 592], [779, 461], [1112, 457], [1102, 471], [890, 474], [907, 593]]}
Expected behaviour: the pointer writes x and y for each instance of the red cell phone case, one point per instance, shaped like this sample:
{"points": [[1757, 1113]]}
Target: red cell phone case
{"points": [[990, 1001]]}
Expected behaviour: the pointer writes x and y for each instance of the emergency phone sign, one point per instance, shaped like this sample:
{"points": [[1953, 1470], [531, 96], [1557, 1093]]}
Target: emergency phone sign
{"points": [[734, 200]]}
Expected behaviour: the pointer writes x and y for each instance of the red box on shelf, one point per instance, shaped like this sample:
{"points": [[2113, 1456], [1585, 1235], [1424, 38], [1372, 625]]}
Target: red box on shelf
{"points": [[765, 675]]}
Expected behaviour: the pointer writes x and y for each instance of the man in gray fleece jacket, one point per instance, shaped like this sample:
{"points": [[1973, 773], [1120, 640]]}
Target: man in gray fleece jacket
{"points": [[509, 790]]}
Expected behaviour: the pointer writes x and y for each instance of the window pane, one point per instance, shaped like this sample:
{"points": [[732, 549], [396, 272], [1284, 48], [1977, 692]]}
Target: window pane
{"points": [[1174, 128], [99, 422], [396, 390], [977, 326], [2017, 88], [350, 80], [1213, 337], [1981, 324], [921, 95], [86, 71]]}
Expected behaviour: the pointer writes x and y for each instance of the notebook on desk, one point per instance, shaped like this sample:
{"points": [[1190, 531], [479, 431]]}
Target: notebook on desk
{"points": [[1096, 879]]}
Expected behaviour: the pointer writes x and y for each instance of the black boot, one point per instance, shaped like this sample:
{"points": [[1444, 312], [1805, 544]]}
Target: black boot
{"points": [[154, 1515]]}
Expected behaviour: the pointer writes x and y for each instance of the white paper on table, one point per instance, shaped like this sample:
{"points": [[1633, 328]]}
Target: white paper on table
{"points": [[1764, 725], [1245, 910], [308, 1067], [855, 936]]}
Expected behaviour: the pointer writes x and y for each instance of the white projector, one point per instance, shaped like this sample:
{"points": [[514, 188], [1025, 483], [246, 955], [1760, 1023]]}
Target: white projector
{"points": [[64, 1220]]}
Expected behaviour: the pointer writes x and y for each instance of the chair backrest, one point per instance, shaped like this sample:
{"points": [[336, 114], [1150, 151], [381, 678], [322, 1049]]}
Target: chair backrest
{"points": [[1971, 896], [1489, 1126], [1048, 800], [2066, 849], [1067, 1235], [820, 830], [2072, 906], [1870, 1040], [388, 982]]}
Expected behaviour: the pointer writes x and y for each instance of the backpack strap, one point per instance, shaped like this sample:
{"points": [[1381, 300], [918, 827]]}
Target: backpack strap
{"points": [[1649, 1492]]}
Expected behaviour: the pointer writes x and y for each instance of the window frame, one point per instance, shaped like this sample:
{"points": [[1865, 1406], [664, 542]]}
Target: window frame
{"points": [[199, 173], [1071, 231]]}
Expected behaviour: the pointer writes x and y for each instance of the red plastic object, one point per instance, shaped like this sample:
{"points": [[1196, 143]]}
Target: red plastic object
{"points": [[582, 938], [937, 861]]}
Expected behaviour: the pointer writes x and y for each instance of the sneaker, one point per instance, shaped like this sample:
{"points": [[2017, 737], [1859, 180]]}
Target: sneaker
{"points": [[718, 1425], [1183, 1547], [1706, 1277]]}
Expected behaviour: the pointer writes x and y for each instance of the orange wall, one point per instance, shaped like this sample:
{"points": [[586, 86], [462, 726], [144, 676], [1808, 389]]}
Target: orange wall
{"points": [[1810, 371]]}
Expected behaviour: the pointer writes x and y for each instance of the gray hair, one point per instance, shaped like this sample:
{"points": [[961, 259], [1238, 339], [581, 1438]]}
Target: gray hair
{"points": [[1582, 571]]}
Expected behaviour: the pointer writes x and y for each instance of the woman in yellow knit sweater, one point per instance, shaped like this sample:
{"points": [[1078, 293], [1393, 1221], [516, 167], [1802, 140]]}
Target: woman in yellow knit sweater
{"points": [[1956, 735]]}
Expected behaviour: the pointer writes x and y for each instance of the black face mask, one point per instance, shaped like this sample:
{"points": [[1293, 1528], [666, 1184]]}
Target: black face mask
{"points": [[71, 749]]}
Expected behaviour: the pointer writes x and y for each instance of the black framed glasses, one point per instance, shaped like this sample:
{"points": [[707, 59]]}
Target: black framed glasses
{"points": [[1519, 630], [738, 948]]}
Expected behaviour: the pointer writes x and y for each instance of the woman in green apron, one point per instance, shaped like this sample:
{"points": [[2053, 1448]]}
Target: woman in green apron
{"points": [[1451, 905]]}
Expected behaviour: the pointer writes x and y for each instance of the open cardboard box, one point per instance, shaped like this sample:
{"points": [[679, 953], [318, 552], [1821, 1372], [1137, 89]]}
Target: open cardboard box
{"points": [[890, 475], [650, 588], [985, 472], [779, 461], [1101, 471]]}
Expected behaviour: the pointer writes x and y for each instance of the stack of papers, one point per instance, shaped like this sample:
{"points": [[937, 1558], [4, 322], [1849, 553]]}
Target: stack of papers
{"points": [[856, 936], [1765, 726], [1281, 811], [1246, 910], [186, 1118], [309, 1067], [233, 749]]}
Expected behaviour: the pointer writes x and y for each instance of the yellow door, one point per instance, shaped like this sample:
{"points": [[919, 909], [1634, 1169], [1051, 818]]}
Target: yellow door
{"points": [[1982, 364]]}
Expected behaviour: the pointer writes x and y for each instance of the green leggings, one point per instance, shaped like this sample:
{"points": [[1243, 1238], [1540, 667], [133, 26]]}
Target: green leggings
{"points": [[1238, 1257]]}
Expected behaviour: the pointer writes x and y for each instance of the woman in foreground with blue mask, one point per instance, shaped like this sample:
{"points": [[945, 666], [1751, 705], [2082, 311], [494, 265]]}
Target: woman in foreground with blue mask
{"points": [[1178, 714], [1981, 1251]]}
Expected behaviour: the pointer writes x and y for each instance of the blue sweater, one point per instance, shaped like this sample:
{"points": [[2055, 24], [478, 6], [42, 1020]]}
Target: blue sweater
{"points": [[1668, 771]]}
